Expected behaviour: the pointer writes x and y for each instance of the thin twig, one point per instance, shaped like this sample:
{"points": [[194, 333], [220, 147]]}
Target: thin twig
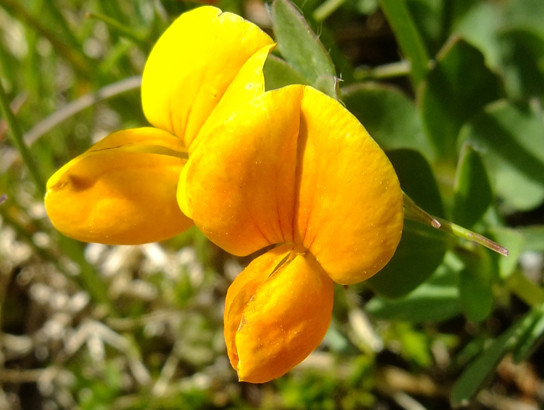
{"points": [[415, 213], [14, 376], [80, 104], [70, 109]]}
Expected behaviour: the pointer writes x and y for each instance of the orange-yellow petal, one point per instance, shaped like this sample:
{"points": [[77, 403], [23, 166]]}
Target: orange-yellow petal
{"points": [[277, 312], [239, 185], [350, 206], [248, 84], [293, 165], [121, 191], [191, 66]]}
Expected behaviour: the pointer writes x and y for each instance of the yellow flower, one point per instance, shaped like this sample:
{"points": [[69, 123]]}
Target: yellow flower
{"points": [[289, 170], [300, 172], [123, 189]]}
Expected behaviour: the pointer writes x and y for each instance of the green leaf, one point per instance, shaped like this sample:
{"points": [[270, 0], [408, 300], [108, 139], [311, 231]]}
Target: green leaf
{"points": [[435, 18], [457, 88], [522, 54], [417, 179], [429, 18], [388, 115], [532, 337], [479, 26], [328, 84], [278, 73], [510, 139], [511, 36], [408, 37], [420, 252], [473, 193], [421, 247], [481, 369], [435, 300], [475, 282], [525, 14], [301, 48]]}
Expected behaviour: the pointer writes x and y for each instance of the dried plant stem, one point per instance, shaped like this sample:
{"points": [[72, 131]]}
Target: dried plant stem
{"points": [[69, 110], [80, 104], [20, 376]]}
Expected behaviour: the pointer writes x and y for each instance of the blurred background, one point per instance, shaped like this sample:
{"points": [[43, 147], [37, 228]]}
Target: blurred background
{"points": [[453, 91]]}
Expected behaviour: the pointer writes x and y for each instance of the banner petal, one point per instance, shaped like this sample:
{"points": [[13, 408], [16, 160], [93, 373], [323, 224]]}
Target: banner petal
{"points": [[191, 66]]}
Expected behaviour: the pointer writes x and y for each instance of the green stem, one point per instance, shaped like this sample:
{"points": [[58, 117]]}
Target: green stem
{"points": [[415, 213], [408, 37], [18, 141], [383, 72], [526, 290], [326, 9], [469, 235], [62, 24]]}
